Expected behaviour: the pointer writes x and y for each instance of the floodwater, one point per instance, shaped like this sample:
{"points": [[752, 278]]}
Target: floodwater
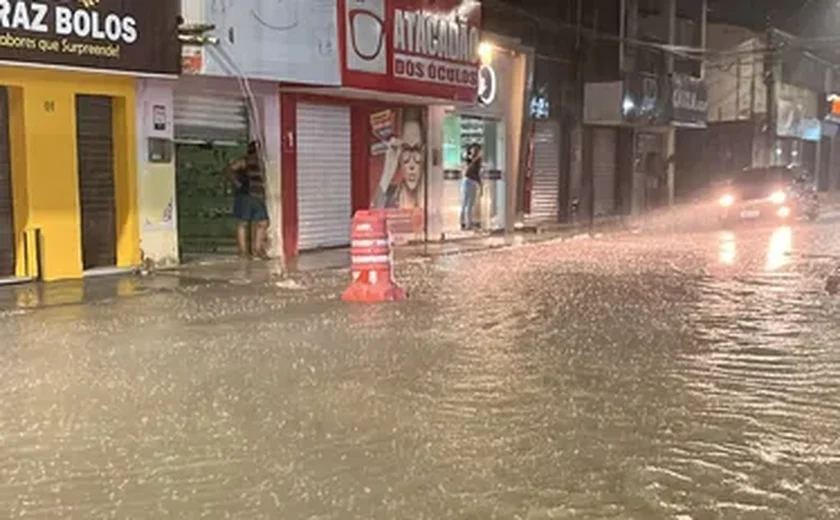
{"points": [[690, 376]]}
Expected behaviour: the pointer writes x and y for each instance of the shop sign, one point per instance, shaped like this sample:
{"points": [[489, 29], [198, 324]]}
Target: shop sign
{"points": [[811, 129], [645, 100], [540, 106], [274, 40], [689, 101], [833, 108], [789, 118], [102, 34], [418, 47], [487, 85]]}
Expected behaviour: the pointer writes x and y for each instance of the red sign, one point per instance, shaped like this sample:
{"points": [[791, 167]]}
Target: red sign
{"points": [[417, 47]]}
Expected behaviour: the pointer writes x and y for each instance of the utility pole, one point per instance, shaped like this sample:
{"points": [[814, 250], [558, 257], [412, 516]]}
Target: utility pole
{"points": [[591, 65], [770, 83]]}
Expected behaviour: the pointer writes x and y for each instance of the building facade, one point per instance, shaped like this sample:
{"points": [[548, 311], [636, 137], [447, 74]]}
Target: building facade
{"points": [[769, 108], [634, 123], [191, 128], [387, 136], [68, 158]]}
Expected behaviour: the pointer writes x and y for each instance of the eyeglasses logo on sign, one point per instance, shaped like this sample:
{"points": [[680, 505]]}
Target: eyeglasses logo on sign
{"points": [[82, 22], [365, 22]]}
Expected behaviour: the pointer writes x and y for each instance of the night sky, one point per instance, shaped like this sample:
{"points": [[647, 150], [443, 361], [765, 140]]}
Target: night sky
{"points": [[807, 17]]}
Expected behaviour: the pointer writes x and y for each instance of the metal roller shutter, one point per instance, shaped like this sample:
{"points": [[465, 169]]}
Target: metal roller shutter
{"points": [[95, 142], [603, 170], [208, 117], [545, 191], [323, 176], [7, 229], [205, 198]]}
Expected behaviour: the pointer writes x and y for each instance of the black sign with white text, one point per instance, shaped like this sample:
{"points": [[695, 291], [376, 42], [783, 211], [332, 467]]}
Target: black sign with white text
{"points": [[689, 101], [126, 35]]}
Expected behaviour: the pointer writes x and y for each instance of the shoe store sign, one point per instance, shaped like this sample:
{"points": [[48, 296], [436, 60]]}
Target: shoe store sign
{"points": [[419, 47], [120, 35]]}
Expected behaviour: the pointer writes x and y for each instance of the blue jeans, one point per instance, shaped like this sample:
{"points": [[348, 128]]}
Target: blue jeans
{"points": [[469, 194], [247, 208]]}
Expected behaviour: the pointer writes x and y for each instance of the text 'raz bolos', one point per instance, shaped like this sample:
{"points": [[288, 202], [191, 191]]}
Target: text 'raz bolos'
{"points": [[63, 20]]}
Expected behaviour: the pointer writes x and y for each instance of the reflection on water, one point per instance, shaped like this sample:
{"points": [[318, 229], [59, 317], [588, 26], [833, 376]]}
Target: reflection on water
{"points": [[728, 248], [778, 252], [778, 248]]}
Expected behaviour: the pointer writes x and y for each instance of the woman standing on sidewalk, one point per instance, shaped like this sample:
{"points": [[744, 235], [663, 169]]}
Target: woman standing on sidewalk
{"points": [[471, 186], [249, 207]]}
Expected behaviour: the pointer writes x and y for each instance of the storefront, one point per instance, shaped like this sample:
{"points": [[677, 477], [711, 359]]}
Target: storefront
{"points": [[632, 155], [495, 123], [7, 228], [545, 188], [191, 130], [548, 180], [376, 142], [68, 86]]}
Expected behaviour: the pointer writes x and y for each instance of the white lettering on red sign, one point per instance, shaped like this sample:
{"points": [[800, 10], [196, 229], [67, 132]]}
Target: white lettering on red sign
{"points": [[435, 71], [435, 48]]}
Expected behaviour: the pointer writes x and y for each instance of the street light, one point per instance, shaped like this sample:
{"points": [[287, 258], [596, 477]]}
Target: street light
{"points": [[485, 52]]}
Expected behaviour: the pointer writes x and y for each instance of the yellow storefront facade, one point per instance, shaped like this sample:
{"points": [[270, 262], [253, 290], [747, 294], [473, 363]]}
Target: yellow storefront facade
{"points": [[44, 166], [68, 141]]}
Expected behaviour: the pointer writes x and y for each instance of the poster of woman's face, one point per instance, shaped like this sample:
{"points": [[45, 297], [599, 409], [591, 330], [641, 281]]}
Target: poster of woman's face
{"points": [[398, 158], [412, 161]]}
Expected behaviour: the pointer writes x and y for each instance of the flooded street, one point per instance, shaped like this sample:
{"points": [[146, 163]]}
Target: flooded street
{"points": [[687, 376]]}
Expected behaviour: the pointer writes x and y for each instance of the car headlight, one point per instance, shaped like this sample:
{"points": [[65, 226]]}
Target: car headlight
{"points": [[727, 200], [778, 197]]}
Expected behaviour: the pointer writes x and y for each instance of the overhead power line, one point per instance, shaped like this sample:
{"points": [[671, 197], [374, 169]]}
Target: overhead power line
{"points": [[684, 51]]}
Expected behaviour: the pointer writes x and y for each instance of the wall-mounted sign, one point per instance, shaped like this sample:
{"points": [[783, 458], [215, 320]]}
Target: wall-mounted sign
{"points": [[159, 118], [832, 109], [645, 99], [811, 129], [101, 34], [689, 100], [540, 106], [487, 85], [277, 40], [418, 47], [789, 117]]}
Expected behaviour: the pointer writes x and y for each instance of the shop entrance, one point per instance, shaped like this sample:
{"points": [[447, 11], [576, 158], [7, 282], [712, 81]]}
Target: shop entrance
{"points": [[323, 176], [95, 151], [211, 131], [604, 164], [7, 228], [205, 198], [460, 132], [545, 190]]}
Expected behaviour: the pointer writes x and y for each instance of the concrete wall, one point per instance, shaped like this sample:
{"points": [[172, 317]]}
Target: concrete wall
{"points": [[156, 180]]}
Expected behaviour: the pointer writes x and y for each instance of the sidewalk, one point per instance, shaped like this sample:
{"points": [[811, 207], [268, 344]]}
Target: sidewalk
{"points": [[315, 272], [321, 268]]}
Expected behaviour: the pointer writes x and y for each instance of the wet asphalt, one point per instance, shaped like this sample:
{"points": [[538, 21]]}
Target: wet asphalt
{"points": [[650, 375]]}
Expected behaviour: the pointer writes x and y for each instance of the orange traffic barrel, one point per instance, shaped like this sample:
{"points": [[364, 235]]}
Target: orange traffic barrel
{"points": [[371, 266]]}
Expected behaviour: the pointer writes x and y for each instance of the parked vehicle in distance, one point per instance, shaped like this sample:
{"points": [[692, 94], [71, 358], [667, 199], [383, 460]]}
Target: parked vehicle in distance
{"points": [[781, 193]]}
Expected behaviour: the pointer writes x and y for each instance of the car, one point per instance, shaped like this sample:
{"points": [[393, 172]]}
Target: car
{"points": [[780, 193]]}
